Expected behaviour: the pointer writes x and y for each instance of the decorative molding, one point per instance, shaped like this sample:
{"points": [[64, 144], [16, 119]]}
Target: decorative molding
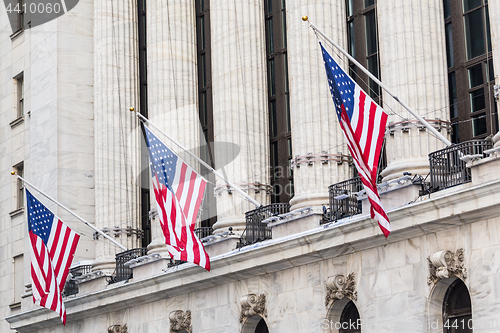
{"points": [[180, 320], [116, 232], [252, 305], [118, 329], [443, 264], [338, 287], [143, 260], [247, 187]]}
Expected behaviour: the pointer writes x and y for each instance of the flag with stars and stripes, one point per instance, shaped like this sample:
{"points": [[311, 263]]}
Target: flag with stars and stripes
{"points": [[178, 191], [53, 246], [363, 123]]}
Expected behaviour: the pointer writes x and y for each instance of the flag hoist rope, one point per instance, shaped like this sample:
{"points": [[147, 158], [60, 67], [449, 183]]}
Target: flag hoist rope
{"points": [[383, 86], [69, 211], [236, 188]]}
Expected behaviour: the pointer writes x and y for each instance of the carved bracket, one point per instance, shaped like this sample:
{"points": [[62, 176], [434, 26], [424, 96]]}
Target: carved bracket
{"points": [[338, 287], [252, 305], [118, 329], [443, 264], [180, 320]]}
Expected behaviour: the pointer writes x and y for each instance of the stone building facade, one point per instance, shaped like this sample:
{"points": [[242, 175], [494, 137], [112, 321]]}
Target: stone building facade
{"points": [[249, 74]]}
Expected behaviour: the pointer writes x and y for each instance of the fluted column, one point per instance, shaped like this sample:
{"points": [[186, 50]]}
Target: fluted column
{"points": [[172, 82], [240, 104], [413, 66], [116, 132], [316, 134], [494, 10]]}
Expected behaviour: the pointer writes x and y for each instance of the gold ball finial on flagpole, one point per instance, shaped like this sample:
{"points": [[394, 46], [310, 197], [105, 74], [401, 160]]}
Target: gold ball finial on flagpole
{"points": [[132, 109], [12, 172], [305, 18]]}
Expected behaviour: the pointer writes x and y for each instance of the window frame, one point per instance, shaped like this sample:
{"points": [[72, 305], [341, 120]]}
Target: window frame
{"points": [[356, 15], [464, 121], [280, 144]]}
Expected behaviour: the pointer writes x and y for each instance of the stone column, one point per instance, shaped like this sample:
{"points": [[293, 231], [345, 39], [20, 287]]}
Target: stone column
{"points": [[317, 139], [240, 105], [116, 131], [172, 83], [413, 65], [494, 10]]}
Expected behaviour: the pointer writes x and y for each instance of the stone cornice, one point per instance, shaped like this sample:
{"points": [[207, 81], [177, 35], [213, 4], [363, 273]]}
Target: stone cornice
{"points": [[465, 205]]}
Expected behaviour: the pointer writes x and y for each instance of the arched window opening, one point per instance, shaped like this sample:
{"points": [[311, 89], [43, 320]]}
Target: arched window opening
{"points": [[261, 327], [349, 320], [457, 309]]}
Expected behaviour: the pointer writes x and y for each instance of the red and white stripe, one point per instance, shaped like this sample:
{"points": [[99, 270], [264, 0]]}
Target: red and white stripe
{"points": [[365, 134], [50, 266], [178, 211]]}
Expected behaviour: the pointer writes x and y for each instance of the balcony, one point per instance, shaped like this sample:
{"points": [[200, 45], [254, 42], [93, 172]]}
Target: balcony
{"points": [[122, 272], [71, 288], [343, 200], [203, 232], [255, 230], [448, 165]]}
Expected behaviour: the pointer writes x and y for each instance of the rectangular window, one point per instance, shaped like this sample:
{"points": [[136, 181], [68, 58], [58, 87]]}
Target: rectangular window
{"points": [[475, 75], [477, 101], [18, 278], [19, 168], [479, 125], [452, 88], [474, 34], [447, 9], [450, 57], [20, 14], [20, 94]]}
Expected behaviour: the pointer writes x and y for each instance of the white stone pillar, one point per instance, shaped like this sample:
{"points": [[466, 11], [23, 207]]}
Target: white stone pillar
{"points": [[494, 10], [116, 131], [240, 104], [413, 65], [172, 83], [316, 133]]}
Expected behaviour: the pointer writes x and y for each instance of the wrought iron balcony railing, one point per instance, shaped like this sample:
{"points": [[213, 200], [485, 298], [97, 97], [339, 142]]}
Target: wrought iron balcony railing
{"points": [[255, 230], [122, 272], [203, 232], [70, 287], [447, 167], [343, 202]]}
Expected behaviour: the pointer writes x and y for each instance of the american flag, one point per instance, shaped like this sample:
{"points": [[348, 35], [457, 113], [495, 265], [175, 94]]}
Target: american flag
{"points": [[178, 191], [53, 246], [363, 123]]}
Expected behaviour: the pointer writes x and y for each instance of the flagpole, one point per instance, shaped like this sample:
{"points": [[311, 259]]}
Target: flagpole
{"points": [[236, 188], [69, 211], [383, 86]]}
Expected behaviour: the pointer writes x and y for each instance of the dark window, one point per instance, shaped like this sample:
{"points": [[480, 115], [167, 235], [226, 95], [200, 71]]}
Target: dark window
{"points": [[457, 310], [146, 222], [470, 69], [143, 57], [261, 327], [279, 101], [362, 38], [205, 110], [20, 94], [349, 320]]}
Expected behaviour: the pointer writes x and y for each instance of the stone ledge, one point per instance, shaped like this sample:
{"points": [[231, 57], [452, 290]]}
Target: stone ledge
{"points": [[327, 241]]}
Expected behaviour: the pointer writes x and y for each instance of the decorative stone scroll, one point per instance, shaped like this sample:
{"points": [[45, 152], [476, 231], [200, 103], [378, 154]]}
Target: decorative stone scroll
{"points": [[443, 264], [252, 305], [180, 320], [118, 329], [338, 287]]}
